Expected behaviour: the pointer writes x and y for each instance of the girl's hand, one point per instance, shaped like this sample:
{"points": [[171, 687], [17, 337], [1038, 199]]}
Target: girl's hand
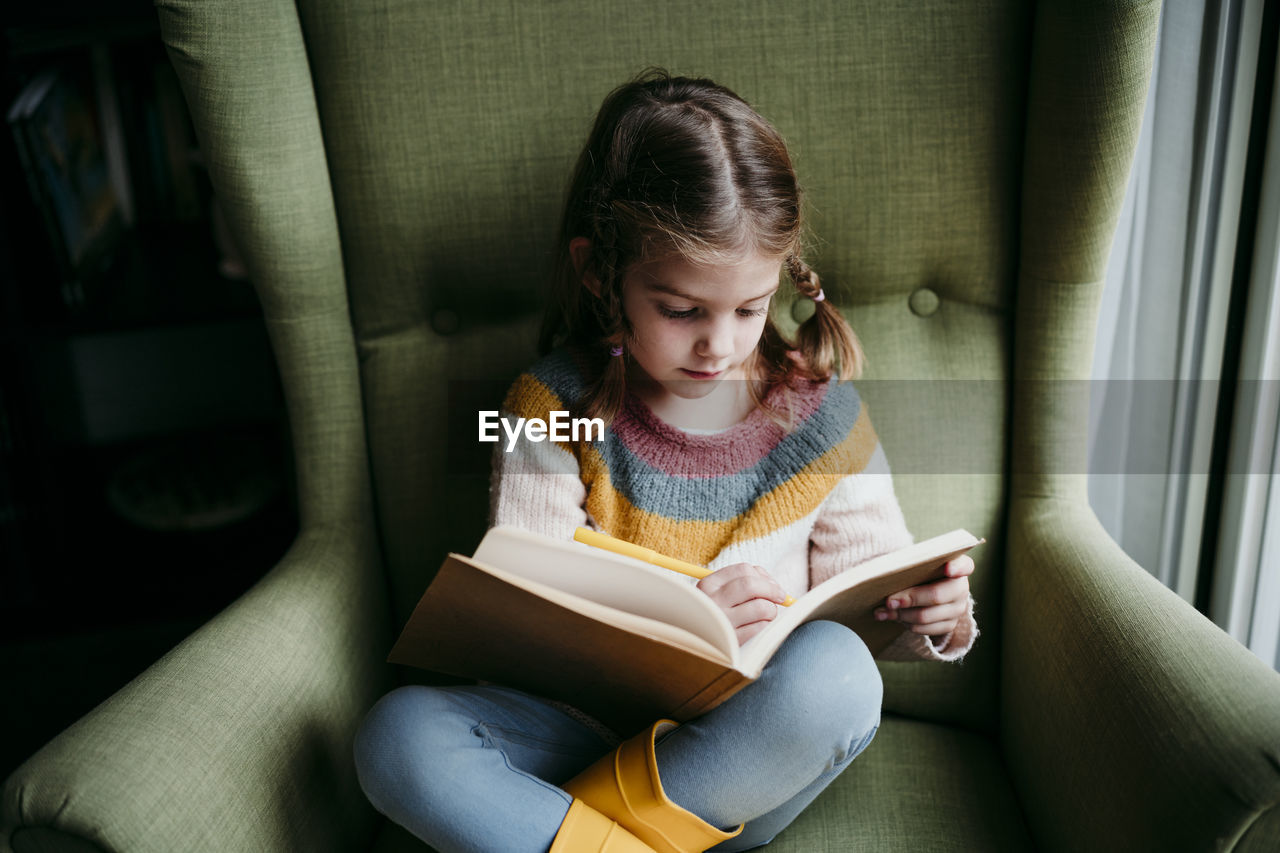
{"points": [[747, 595], [932, 608]]}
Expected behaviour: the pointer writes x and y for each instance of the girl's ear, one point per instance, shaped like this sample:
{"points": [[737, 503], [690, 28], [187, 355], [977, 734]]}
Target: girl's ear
{"points": [[579, 253]]}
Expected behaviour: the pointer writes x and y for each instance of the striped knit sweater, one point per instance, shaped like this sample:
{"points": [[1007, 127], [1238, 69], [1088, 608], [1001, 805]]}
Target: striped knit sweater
{"points": [[805, 504]]}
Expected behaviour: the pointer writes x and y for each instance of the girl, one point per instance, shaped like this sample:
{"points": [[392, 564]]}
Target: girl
{"points": [[727, 445]]}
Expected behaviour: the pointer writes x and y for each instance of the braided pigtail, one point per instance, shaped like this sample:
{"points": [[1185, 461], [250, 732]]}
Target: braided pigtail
{"points": [[825, 340], [605, 395]]}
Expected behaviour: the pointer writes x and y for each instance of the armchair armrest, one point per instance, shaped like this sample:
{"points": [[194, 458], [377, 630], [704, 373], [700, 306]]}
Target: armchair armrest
{"points": [[239, 738], [1129, 720]]}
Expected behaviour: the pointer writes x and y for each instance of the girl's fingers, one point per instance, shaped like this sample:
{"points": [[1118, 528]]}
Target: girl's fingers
{"points": [[746, 632], [955, 585], [752, 588], [938, 592], [749, 612], [748, 596], [713, 582], [924, 620], [739, 583]]}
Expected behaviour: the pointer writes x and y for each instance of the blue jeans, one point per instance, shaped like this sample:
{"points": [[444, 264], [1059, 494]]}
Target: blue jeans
{"points": [[477, 768]]}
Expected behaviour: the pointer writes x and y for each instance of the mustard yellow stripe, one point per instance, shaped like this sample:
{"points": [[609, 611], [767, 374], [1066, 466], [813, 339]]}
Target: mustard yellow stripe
{"points": [[700, 541], [530, 398], [803, 493], [694, 541]]}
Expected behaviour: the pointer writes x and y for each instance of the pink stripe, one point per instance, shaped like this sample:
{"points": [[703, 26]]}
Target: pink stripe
{"points": [[736, 449]]}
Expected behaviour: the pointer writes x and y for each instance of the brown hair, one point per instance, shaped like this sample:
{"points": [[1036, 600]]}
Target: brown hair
{"points": [[680, 166]]}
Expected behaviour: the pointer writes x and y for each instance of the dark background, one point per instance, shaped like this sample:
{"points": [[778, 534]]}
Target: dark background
{"points": [[145, 471]]}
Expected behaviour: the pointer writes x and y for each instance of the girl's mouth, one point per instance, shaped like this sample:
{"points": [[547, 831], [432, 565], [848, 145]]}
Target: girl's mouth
{"points": [[698, 374]]}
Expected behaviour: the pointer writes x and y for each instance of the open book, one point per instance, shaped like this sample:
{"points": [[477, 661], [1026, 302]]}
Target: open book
{"points": [[625, 641]]}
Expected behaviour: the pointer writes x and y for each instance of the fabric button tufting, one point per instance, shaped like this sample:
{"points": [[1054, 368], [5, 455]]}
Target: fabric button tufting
{"points": [[802, 309], [923, 302], [445, 321]]}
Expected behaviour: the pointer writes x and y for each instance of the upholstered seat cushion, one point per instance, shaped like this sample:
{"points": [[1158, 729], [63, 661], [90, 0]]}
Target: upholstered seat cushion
{"points": [[919, 786]]}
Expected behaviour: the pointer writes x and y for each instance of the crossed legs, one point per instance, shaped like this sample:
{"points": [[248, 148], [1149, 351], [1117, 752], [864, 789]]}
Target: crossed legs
{"points": [[479, 768]]}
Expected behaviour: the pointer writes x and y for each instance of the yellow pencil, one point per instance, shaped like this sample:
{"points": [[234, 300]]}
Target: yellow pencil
{"points": [[646, 555]]}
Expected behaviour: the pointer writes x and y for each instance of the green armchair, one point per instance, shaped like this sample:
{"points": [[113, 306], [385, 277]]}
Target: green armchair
{"points": [[393, 171]]}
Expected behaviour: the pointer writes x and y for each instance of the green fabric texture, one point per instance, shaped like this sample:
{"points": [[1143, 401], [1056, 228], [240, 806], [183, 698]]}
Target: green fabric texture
{"points": [[246, 67], [1122, 704], [893, 797], [239, 738], [1128, 720], [1079, 146], [393, 172]]}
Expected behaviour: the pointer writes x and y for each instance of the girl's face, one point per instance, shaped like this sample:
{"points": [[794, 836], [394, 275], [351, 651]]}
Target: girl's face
{"points": [[695, 326]]}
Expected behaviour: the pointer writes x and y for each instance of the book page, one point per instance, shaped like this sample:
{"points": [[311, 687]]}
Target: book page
{"points": [[642, 626], [851, 597], [612, 580]]}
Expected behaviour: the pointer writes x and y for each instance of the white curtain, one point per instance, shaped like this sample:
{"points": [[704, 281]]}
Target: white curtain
{"points": [[1162, 339]]}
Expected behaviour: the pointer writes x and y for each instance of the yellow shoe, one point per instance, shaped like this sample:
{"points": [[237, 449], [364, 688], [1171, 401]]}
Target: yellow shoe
{"points": [[624, 786], [585, 830]]}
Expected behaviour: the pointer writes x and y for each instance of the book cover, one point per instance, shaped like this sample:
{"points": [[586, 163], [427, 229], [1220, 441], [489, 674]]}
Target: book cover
{"points": [[621, 639]]}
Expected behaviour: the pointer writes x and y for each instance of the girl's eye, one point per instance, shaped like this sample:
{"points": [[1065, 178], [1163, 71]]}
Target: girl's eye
{"points": [[686, 313]]}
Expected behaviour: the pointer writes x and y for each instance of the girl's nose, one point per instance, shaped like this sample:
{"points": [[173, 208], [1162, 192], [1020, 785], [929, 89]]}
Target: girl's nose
{"points": [[717, 340]]}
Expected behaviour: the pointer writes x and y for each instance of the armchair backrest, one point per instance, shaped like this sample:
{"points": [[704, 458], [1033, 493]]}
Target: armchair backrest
{"points": [[394, 173]]}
